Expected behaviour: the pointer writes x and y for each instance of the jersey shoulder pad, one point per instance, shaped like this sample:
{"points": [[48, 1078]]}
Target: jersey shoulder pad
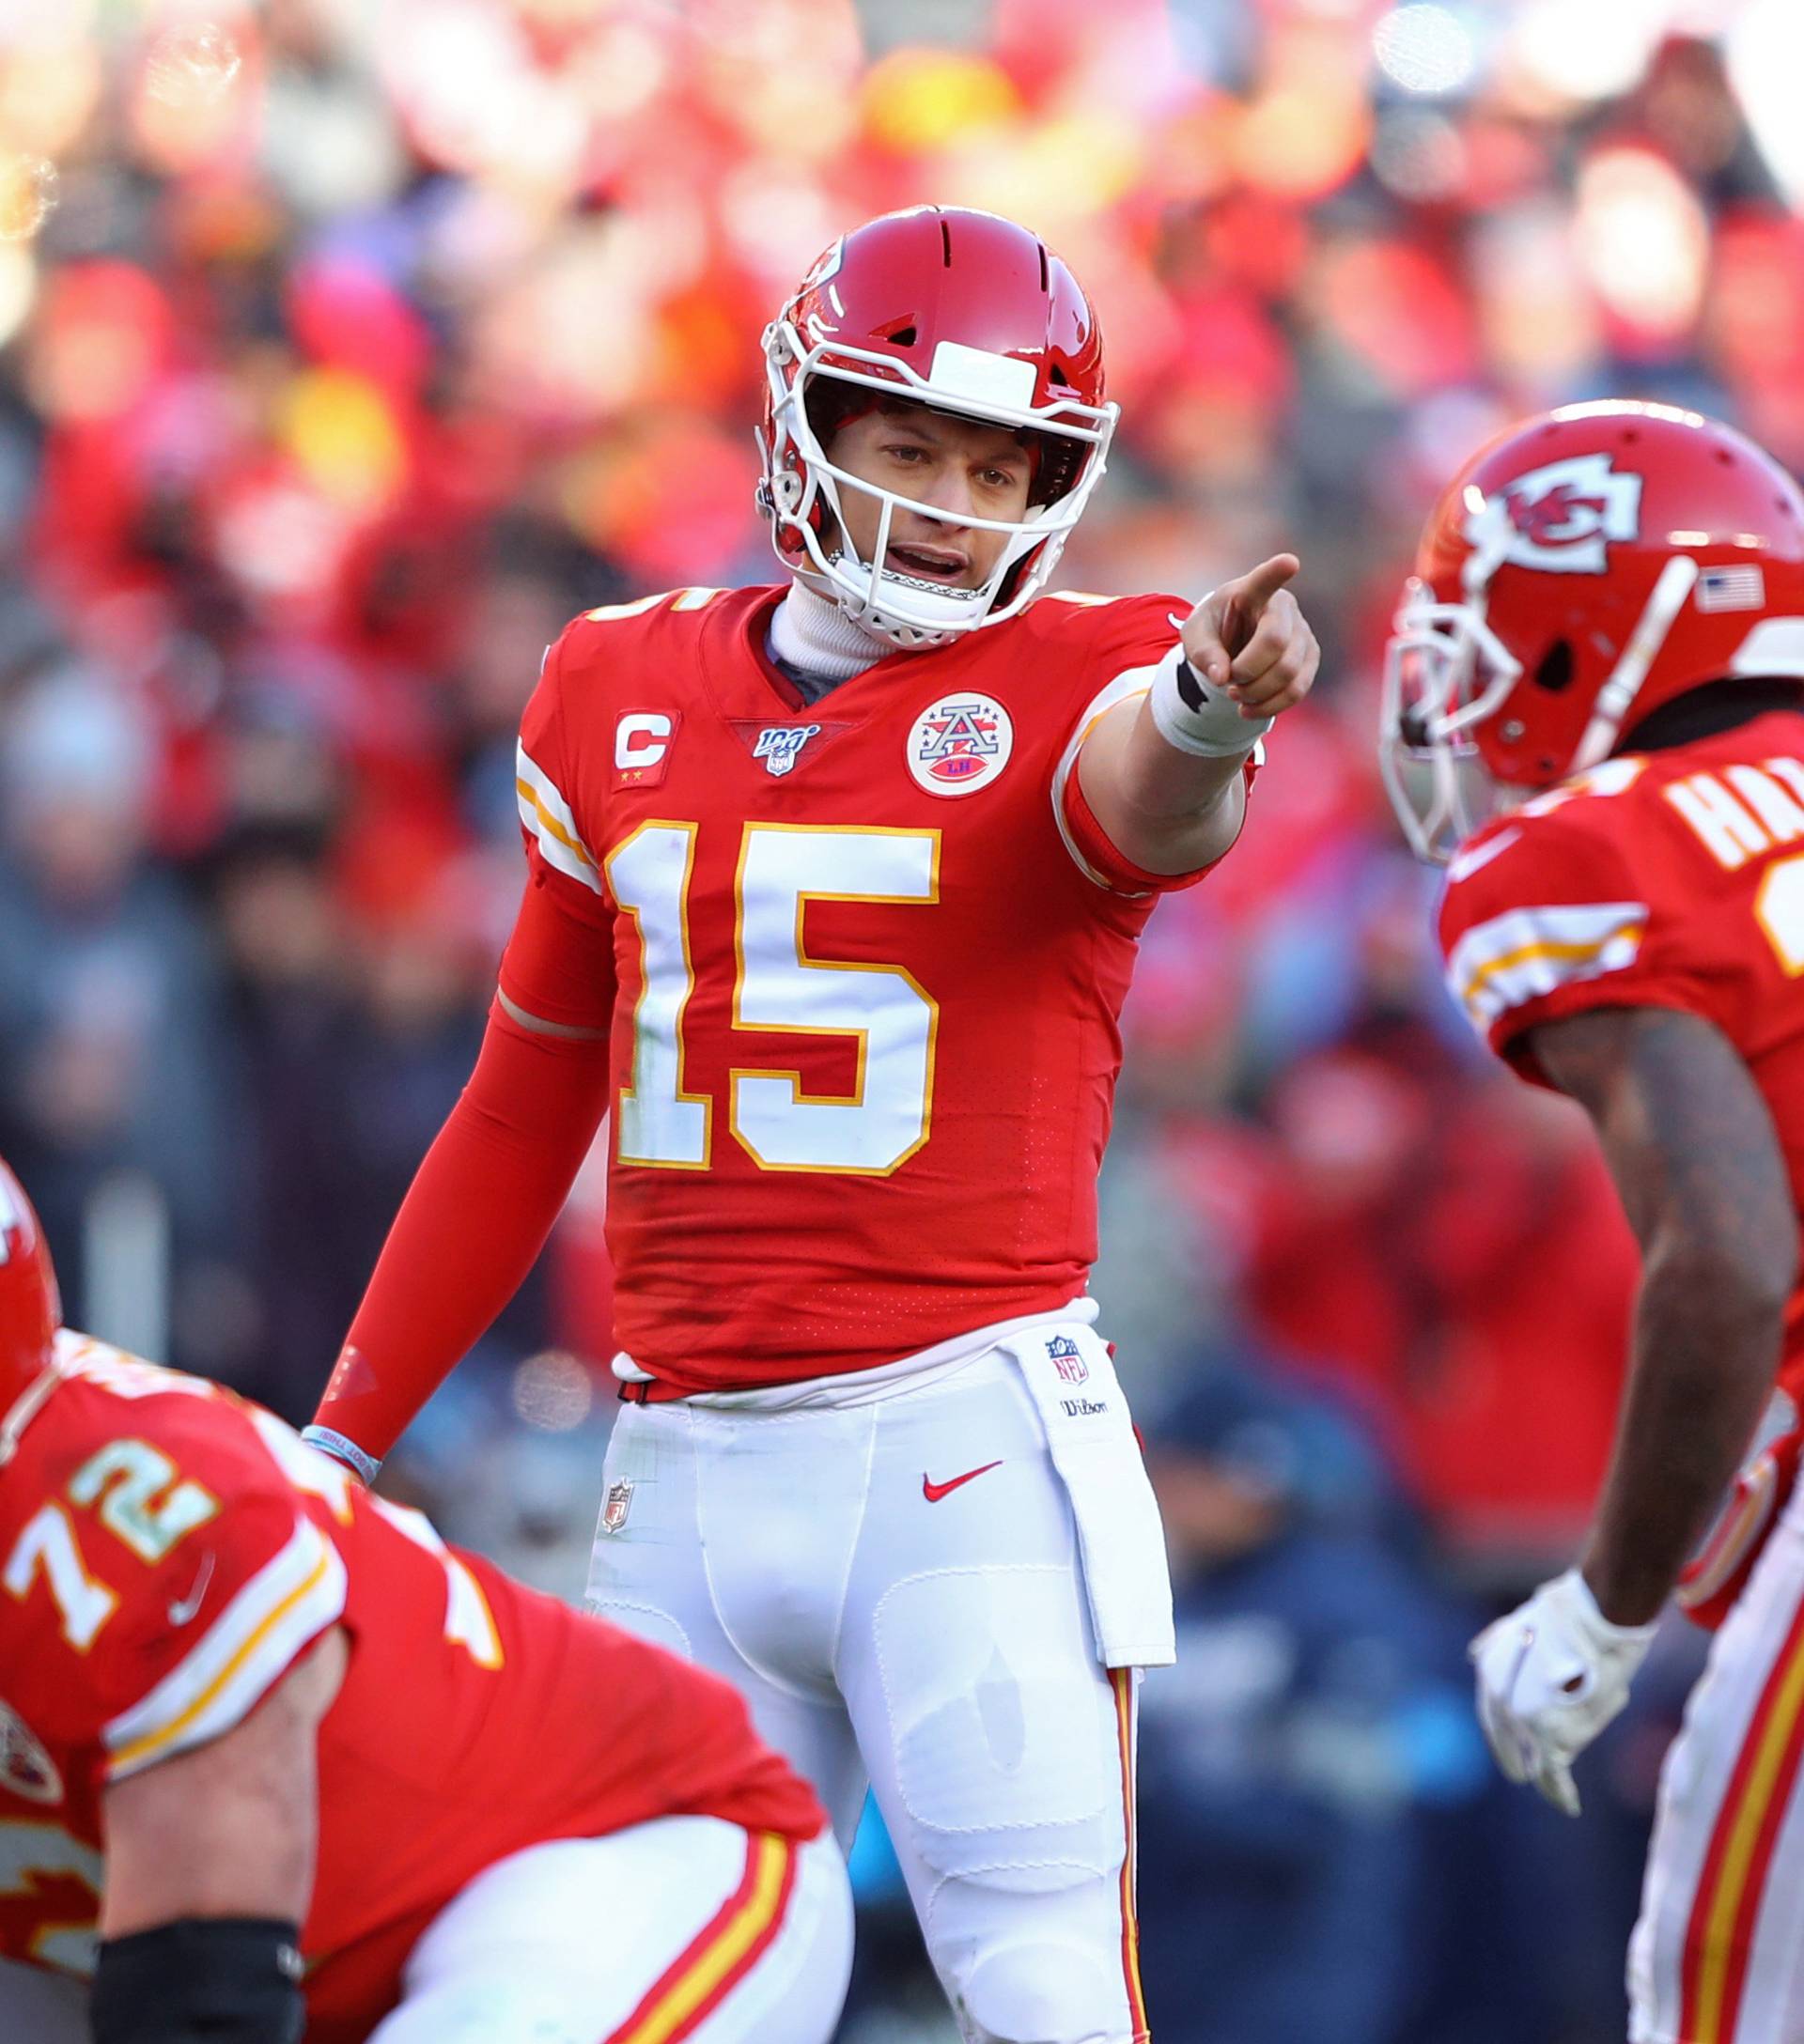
{"points": [[173, 1571], [601, 703], [1553, 909], [595, 643], [1127, 629]]}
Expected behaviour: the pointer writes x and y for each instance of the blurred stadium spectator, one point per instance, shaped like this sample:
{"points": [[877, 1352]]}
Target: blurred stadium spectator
{"points": [[344, 352]]}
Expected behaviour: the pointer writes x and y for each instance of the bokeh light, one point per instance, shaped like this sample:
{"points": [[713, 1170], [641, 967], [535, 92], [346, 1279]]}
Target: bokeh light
{"points": [[1425, 49], [1644, 239], [1568, 54], [1418, 154], [1764, 45], [18, 288], [29, 192], [49, 91], [552, 1392], [192, 64]]}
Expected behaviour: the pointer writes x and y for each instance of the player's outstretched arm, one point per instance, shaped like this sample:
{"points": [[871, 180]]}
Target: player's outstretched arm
{"points": [[209, 1863], [1163, 772], [483, 1203], [1697, 1167]]}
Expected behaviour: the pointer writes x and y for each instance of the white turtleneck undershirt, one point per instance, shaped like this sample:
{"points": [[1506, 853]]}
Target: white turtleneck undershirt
{"points": [[814, 638]]}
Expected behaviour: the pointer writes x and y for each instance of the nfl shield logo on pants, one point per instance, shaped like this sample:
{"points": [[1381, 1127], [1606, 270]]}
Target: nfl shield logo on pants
{"points": [[1066, 1359], [619, 1502]]}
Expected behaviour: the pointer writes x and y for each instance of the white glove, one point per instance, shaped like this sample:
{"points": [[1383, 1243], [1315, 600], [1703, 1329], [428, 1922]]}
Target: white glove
{"points": [[1551, 1673]]}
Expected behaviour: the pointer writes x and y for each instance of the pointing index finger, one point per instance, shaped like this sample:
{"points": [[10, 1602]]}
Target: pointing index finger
{"points": [[1260, 584], [1242, 603]]}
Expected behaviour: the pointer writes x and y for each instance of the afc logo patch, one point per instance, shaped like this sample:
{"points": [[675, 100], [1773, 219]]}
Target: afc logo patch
{"points": [[1064, 1357], [1559, 519], [959, 744], [619, 1502]]}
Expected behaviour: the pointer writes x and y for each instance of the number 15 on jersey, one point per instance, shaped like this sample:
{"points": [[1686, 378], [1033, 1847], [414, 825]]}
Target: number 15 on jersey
{"points": [[779, 988]]}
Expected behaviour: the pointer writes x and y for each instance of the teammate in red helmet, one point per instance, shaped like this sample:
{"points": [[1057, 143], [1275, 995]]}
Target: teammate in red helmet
{"points": [[271, 1755], [1603, 650], [835, 889]]}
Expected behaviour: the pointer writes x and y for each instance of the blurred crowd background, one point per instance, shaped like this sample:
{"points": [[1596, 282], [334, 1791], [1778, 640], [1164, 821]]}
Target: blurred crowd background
{"points": [[348, 347]]}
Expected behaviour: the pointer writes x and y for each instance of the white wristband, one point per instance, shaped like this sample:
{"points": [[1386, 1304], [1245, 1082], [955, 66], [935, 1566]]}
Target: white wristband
{"points": [[342, 1448], [1214, 728]]}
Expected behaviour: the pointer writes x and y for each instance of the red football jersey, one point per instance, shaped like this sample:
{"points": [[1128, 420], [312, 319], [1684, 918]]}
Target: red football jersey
{"points": [[863, 960], [167, 1552], [1670, 879]]}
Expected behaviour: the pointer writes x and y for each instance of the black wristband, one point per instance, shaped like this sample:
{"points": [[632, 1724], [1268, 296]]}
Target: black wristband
{"points": [[202, 1980]]}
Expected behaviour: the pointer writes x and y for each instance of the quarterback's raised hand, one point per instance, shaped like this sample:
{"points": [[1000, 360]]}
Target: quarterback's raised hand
{"points": [[1551, 1673], [1250, 639], [1164, 775]]}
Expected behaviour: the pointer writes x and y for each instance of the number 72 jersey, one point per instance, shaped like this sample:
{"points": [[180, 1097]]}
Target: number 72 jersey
{"points": [[861, 961], [1667, 879], [168, 1552]]}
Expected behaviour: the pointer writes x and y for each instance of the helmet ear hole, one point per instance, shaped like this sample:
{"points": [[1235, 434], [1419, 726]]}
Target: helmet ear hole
{"points": [[1555, 670]]}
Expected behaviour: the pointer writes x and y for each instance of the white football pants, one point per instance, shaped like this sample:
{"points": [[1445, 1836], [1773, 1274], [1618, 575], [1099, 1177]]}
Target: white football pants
{"points": [[686, 1931], [895, 1588], [685, 1928], [1717, 1956]]}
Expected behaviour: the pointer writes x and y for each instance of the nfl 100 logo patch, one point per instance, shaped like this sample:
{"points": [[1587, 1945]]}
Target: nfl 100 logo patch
{"points": [[1066, 1359], [779, 744]]}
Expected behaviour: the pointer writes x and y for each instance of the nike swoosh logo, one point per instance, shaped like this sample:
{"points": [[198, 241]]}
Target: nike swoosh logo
{"points": [[933, 1492], [1464, 864], [180, 1613]]}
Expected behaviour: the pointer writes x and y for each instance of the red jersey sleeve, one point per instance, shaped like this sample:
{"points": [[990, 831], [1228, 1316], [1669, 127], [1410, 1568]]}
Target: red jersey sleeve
{"points": [[202, 1575], [1550, 914], [558, 965], [558, 837], [1131, 636]]}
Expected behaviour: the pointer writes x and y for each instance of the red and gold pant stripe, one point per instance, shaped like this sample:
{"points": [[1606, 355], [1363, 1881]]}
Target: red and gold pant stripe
{"points": [[718, 1957], [1720, 1934], [1122, 1681]]}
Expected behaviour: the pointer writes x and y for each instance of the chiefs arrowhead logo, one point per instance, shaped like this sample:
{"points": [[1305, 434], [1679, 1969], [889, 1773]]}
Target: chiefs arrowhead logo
{"points": [[25, 1765], [1559, 518]]}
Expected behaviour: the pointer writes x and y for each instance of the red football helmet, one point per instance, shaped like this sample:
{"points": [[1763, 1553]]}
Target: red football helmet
{"points": [[30, 1309], [968, 313], [1580, 571]]}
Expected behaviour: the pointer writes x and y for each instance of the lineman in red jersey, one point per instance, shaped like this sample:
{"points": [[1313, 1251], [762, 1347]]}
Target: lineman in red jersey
{"points": [[1610, 609], [836, 891], [230, 1677]]}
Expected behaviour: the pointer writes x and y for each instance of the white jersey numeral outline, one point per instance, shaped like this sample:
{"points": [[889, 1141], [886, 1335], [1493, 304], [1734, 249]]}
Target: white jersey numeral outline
{"points": [[124, 1477], [657, 1122], [47, 1542], [780, 989]]}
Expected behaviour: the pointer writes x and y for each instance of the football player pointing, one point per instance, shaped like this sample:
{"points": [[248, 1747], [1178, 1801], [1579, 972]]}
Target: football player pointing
{"points": [[836, 886], [1608, 622]]}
